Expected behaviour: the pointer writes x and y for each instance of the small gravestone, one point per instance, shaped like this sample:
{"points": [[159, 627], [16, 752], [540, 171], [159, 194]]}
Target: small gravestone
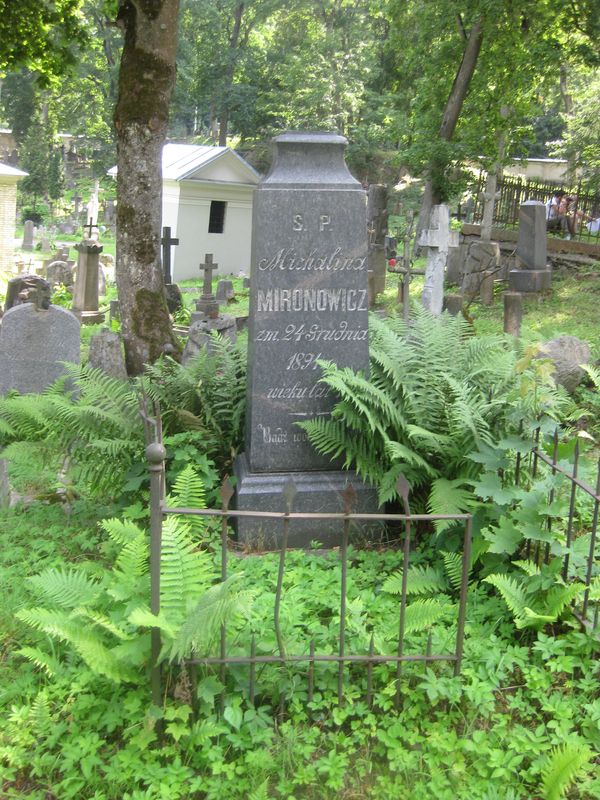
{"points": [[224, 292], [114, 311], [437, 242], [33, 343], [27, 289], [28, 235], [535, 274], [67, 227], [174, 297], [308, 301], [246, 283], [109, 212], [106, 353], [59, 272]]}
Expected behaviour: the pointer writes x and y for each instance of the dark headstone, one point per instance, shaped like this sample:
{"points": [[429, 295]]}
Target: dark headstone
{"points": [[27, 289], [453, 304], [33, 343], [308, 301], [174, 298], [535, 275]]}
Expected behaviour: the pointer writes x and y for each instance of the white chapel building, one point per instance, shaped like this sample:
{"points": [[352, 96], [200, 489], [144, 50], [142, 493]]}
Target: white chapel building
{"points": [[207, 203]]}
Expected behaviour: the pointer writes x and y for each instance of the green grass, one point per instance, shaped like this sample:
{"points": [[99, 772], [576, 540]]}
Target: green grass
{"points": [[571, 306]]}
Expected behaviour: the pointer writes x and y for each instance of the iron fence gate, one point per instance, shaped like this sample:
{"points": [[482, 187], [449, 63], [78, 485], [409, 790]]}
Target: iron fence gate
{"points": [[156, 455]]}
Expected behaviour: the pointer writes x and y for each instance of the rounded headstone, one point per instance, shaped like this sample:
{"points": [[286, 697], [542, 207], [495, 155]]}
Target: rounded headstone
{"points": [[567, 353]]}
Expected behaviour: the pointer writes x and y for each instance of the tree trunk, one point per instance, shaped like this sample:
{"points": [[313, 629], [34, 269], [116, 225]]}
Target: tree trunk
{"points": [[146, 80], [454, 105], [232, 56]]}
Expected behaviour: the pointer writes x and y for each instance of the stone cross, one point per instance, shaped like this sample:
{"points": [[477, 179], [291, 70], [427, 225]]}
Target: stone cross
{"points": [[207, 303], [437, 241], [167, 242]]}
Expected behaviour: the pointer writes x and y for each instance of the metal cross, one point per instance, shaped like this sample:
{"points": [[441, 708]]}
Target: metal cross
{"points": [[89, 227], [167, 242]]}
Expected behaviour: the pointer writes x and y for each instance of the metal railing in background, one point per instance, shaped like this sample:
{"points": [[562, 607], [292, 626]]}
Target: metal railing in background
{"points": [[156, 455], [584, 210]]}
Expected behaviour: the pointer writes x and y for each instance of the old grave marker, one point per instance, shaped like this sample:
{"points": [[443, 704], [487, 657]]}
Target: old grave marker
{"points": [[33, 343], [308, 301]]}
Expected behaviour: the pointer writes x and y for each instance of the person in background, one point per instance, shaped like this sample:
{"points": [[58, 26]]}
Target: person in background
{"points": [[557, 214]]}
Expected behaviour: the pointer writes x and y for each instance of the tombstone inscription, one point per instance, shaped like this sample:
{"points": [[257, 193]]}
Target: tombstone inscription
{"points": [[308, 302]]}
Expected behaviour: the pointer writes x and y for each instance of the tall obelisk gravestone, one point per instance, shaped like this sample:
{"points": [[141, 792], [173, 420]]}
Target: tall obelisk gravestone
{"points": [[308, 301]]}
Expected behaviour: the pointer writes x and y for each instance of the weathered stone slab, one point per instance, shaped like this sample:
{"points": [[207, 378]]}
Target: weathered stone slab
{"points": [[200, 334], [106, 353], [531, 247], [32, 345], [59, 272], [28, 228]]}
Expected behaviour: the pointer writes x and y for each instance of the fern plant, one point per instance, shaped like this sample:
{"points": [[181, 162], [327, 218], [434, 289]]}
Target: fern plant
{"points": [[104, 618], [536, 596], [435, 394], [564, 765], [86, 430]]}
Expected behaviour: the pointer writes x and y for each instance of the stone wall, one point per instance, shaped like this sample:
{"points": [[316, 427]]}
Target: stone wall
{"points": [[8, 211]]}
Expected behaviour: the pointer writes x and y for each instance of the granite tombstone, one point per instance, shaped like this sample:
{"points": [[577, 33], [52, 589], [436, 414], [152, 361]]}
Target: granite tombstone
{"points": [[33, 344], [308, 301], [535, 275]]}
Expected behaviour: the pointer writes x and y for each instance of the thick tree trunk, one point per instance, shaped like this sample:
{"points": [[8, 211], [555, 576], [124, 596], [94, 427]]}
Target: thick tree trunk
{"points": [[146, 80], [454, 105]]}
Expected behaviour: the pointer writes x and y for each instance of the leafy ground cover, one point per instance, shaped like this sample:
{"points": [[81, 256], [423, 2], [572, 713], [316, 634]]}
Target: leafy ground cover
{"points": [[521, 722]]}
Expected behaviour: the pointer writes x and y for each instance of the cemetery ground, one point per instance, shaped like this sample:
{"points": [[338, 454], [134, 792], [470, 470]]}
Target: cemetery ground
{"points": [[521, 721]]}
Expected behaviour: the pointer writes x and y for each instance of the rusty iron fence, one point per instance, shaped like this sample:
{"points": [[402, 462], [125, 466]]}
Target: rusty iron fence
{"points": [[584, 210], [156, 455], [545, 456]]}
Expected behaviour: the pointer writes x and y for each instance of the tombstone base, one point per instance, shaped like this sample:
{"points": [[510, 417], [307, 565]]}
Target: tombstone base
{"points": [[316, 492], [529, 280], [89, 317]]}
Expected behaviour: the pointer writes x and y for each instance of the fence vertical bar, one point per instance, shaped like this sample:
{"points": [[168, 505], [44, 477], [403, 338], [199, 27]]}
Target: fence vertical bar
{"points": [[533, 476], [226, 495], [403, 490], [464, 590], [349, 496], [551, 497], [155, 454], [311, 671], [370, 673], [565, 570], [252, 685], [588, 574]]}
